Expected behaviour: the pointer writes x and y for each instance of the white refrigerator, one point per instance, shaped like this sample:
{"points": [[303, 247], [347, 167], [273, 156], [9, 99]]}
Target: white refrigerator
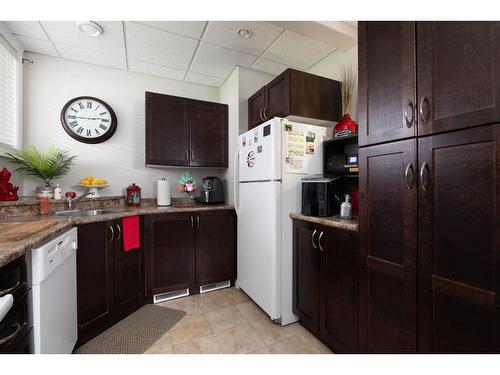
{"points": [[272, 160]]}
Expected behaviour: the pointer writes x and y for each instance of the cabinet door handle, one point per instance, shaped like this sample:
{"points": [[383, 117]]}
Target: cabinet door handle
{"points": [[312, 238], [119, 231], [425, 168], [260, 114], [409, 121], [12, 335], [319, 241], [186, 155], [198, 222], [8, 290], [112, 233], [424, 100], [192, 223], [409, 182], [192, 155], [264, 113]]}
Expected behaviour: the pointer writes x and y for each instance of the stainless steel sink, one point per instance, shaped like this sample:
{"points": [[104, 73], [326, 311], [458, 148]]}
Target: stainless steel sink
{"points": [[78, 213]]}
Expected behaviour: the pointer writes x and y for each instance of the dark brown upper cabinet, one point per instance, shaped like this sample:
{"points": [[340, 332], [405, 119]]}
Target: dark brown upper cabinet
{"points": [[185, 132], [442, 76], [388, 247], [386, 64], [459, 241], [458, 70], [297, 95]]}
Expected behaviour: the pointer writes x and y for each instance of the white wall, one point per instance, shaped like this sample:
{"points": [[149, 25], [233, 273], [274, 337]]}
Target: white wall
{"points": [[331, 67], [50, 82]]}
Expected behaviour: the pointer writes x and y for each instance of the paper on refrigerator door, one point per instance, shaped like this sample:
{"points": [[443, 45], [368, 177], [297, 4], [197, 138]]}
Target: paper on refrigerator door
{"points": [[295, 150]]}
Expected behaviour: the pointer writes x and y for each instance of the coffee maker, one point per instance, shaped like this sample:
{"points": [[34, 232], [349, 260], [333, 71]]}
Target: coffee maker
{"points": [[212, 190]]}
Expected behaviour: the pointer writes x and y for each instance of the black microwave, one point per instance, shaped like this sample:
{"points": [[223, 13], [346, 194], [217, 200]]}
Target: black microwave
{"points": [[321, 196]]}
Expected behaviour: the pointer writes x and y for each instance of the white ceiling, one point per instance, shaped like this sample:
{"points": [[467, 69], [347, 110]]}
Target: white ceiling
{"points": [[195, 51]]}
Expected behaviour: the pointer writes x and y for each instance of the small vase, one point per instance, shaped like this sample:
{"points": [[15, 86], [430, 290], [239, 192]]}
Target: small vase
{"points": [[346, 127], [46, 191]]}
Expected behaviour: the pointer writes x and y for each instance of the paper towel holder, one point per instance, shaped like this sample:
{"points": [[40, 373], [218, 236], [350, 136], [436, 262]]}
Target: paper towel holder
{"points": [[163, 198]]}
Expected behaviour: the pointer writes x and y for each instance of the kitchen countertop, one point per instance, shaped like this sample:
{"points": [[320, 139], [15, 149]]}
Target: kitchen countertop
{"points": [[9, 251], [332, 221]]}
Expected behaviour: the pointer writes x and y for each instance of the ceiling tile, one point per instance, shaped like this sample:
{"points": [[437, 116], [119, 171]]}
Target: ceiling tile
{"points": [[192, 29], [268, 66], [155, 70], [225, 34], [158, 47], [110, 42], [296, 50], [203, 79], [92, 57], [217, 61], [43, 47], [31, 29]]}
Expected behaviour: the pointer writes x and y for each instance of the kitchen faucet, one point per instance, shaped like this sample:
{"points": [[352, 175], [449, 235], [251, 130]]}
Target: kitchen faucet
{"points": [[72, 202]]}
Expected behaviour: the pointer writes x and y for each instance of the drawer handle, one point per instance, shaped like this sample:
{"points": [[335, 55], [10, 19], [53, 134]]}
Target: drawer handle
{"points": [[8, 290], [319, 241], [409, 182], [312, 238], [425, 168], [409, 105], [119, 231], [424, 100], [12, 335]]}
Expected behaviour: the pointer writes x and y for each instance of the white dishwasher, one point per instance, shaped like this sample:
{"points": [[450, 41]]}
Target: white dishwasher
{"points": [[53, 285]]}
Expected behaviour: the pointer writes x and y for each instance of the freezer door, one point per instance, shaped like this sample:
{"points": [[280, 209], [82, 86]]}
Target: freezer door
{"points": [[259, 244], [260, 150]]}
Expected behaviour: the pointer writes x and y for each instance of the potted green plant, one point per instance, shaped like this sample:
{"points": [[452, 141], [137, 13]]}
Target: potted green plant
{"points": [[46, 166]]}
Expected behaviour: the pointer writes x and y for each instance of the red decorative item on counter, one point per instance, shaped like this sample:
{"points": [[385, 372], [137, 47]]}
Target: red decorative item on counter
{"points": [[133, 195], [355, 201], [8, 192], [346, 127]]}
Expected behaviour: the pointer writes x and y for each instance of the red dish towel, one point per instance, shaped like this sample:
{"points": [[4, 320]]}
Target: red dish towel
{"points": [[131, 235]]}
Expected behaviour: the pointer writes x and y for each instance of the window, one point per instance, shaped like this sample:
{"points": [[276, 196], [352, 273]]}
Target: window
{"points": [[9, 119]]}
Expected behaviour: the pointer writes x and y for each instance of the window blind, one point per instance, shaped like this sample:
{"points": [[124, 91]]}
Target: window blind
{"points": [[8, 98]]}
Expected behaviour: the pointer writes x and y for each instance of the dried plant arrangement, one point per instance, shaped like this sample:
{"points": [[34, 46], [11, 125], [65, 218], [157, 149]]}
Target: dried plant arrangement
{"points": [[349, 77]]}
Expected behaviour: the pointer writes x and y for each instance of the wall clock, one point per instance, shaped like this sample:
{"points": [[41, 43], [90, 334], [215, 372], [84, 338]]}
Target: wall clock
{"points": [[88, 119]]}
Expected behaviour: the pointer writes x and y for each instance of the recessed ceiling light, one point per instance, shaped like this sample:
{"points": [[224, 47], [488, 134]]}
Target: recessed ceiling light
{"points": [[245, 33], [89, 28]]}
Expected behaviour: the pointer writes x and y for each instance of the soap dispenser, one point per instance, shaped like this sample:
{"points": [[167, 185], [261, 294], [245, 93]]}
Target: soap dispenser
{"points": [[345, 208]]}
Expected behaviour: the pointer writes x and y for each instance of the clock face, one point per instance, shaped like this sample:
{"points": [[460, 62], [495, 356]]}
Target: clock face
{"points": [[88, 119]]}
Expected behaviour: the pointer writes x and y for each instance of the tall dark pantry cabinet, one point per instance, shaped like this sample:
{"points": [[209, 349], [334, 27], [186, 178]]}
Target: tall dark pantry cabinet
{"points": [[429, 97]]}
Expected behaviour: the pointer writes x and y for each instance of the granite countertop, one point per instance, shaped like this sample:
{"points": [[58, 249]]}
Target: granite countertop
{"points": [[12, 250], [332, 221]]}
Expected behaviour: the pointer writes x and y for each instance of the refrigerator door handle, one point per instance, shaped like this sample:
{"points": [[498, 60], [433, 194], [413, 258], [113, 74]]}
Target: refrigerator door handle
{"points": [[235, 180]]}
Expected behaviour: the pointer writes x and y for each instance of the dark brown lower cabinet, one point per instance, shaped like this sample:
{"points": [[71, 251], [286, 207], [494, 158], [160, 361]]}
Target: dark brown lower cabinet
{"points": [[187, 250], [15, 327], [388, 247], [452, 304], [110, 282], [459, 241], [325, 283], [215, 246]]}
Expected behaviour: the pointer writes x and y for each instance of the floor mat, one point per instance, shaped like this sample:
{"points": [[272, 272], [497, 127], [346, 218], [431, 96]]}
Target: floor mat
{"points": [[134, 334]]}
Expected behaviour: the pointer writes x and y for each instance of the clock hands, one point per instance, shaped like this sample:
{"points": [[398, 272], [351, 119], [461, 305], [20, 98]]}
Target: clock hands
{"points": [[88, 118]]}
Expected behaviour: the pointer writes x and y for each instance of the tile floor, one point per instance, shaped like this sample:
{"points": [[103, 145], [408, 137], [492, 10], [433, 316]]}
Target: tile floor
{"points": [[227, 321]]}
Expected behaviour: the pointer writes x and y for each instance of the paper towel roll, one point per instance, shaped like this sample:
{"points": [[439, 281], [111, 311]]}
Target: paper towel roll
{"points": [[163, 193]]}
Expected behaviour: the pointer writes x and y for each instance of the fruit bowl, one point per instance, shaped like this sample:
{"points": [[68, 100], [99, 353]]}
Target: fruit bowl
{"points": [[93, 189]]}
